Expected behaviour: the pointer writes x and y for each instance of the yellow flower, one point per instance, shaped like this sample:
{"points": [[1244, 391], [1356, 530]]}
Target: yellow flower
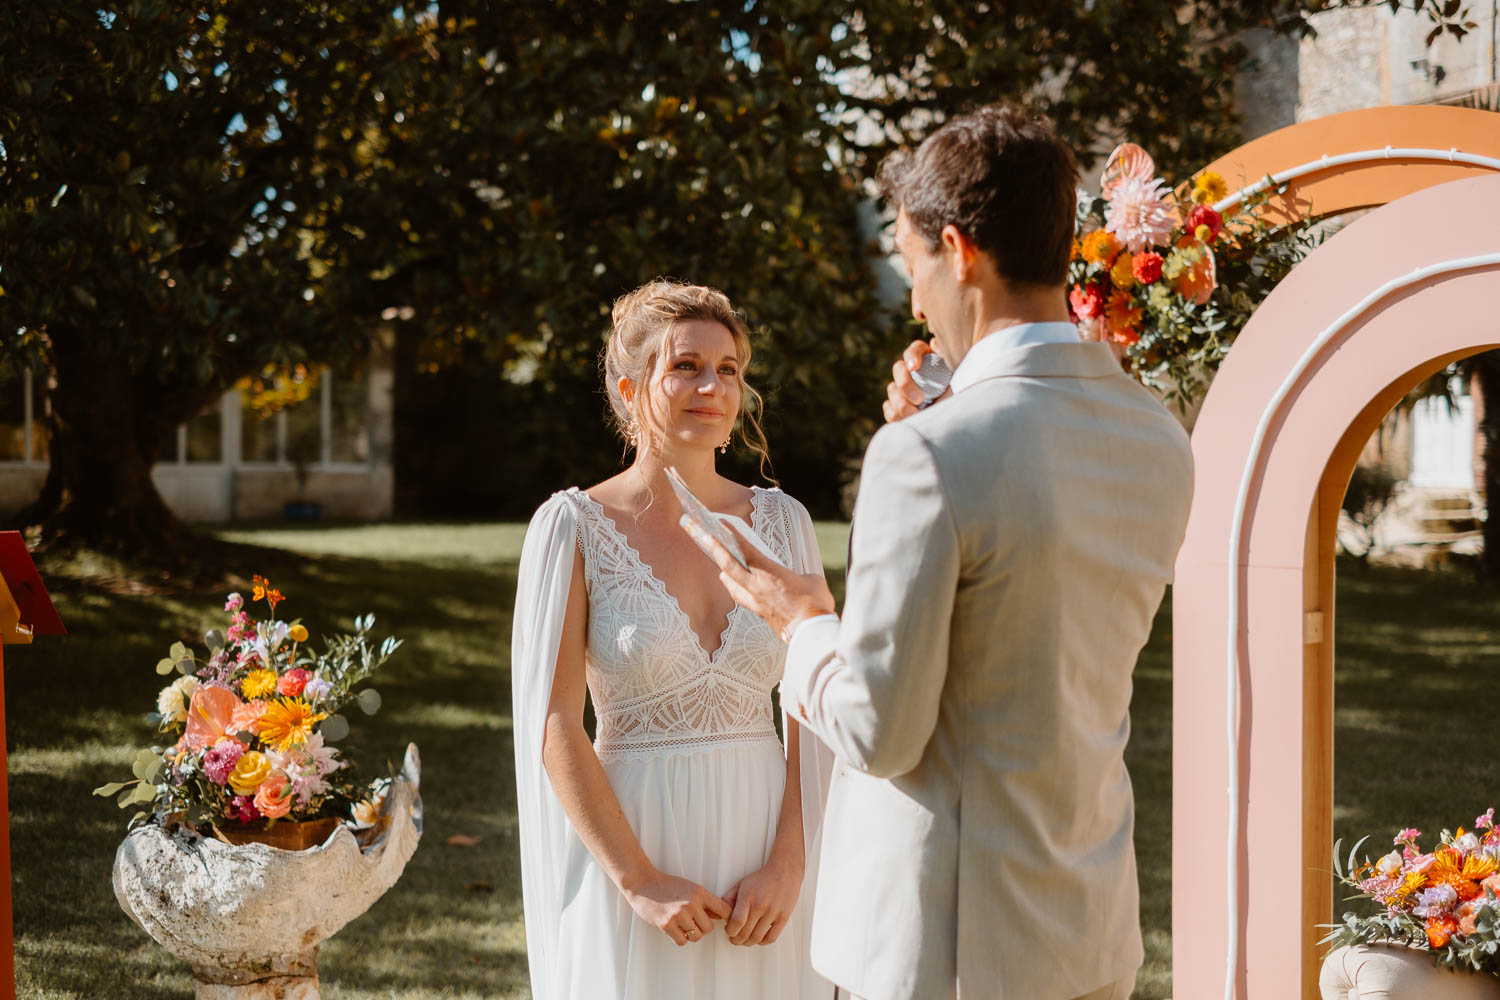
{"points": [[298, 633], [249, 771], [287, 722], [1209, 187], [258, 684], [1122, 274], [1204, 233]]}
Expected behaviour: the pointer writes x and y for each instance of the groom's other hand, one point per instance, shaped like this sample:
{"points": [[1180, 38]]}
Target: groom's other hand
{"points": [[779, 596], [902, 395]]}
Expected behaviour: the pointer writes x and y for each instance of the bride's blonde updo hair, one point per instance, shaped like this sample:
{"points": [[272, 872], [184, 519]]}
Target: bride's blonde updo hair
{"points": [[640, 323]]}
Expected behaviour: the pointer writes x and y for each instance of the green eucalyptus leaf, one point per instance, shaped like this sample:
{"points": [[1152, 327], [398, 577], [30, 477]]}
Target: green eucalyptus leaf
{"points": [[164, 665], [369, 701], [334, 728], [113, 788]]}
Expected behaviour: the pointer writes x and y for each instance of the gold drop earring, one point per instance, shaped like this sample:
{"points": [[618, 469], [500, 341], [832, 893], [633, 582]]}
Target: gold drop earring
{"points": [[724, 448]]}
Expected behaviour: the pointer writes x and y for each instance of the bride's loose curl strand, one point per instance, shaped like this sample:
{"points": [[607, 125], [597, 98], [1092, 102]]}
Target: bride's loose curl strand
{"points": [[640, 323]]}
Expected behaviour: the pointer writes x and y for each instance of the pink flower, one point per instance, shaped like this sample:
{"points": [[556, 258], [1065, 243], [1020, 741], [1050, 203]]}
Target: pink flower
{"points": [[247, 715], [1127, 162], [292, 682], [1487, 821], [221, 758], [234, 603], [1410, 835], [274, 796], [210, 716], [1087, 301], [1140, 214], [242, 808], [317, 689]]}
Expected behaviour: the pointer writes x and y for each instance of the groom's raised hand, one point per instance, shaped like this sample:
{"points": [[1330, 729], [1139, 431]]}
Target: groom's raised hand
{"points": [[902, 395], [779, 596]]}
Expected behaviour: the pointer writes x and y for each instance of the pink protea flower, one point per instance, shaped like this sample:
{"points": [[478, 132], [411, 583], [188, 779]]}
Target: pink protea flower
{"points": [[292, 682], [219, 762], [1140, 213]]}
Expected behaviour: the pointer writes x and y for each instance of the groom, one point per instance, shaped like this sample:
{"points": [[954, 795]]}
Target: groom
{"points": [[1011, 544]]}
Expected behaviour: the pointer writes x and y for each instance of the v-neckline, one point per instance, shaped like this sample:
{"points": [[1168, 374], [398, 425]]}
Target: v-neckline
{"points": [[711, 656]]}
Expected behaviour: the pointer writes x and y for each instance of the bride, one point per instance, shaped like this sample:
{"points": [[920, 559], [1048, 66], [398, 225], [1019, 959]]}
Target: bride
{"points": [[672, 857]]}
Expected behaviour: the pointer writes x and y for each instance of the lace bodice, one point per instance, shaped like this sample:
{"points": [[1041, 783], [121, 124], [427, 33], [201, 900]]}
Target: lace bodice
{"points": [[655, 688]]}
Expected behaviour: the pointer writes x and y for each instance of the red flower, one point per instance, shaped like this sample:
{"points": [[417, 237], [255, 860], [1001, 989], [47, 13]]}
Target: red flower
{"points": [[1087, 300], [1204, 215], [1147, 267]]}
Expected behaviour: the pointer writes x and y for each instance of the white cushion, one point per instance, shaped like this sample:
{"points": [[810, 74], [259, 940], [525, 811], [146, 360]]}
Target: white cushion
{"points": [[1379, 973]]}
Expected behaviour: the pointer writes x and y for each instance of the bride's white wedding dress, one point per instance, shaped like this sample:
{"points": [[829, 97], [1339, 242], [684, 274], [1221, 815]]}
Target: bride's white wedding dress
{"points": [[687, 740]]}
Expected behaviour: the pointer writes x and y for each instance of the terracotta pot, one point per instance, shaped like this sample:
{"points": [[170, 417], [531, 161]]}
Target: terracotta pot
{"points": [[285, 834]]}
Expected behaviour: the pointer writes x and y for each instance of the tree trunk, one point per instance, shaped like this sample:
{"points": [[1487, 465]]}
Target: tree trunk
{"points": [[98, 491], [1486, 371]]}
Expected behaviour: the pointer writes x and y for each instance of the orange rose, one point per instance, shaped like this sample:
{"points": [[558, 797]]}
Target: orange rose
{"points": [[1466, 914], [1439, 929], [274, 796]]}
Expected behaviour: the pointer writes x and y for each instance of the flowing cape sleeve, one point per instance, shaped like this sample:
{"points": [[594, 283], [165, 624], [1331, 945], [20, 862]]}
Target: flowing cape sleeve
{"points": [[816, 764], [542, 586]]}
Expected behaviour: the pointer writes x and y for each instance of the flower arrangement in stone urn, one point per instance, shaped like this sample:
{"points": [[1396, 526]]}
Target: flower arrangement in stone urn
{"points": [[254, 844]]}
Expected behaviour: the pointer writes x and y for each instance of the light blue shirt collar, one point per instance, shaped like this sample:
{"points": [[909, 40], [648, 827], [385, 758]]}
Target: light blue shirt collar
{"points": [[981, 357]]}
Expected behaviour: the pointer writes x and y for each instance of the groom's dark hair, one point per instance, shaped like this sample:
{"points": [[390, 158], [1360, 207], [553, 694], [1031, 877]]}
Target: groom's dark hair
{"points": [[1004, 179]]}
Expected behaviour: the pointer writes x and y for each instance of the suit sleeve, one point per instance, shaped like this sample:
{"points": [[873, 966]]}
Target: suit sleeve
{"points": [[870, 685]]}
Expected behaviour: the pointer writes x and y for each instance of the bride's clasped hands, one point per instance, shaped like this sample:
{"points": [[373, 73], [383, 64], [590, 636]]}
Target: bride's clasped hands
{"points": [[678, 907], [754, 911]]}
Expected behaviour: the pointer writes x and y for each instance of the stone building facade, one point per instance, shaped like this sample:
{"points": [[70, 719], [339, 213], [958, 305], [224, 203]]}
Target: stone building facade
{"points": [[1371, 57]]}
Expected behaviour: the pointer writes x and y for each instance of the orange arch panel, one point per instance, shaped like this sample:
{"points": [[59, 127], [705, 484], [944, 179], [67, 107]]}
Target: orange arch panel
{"points": [[1338, 189]]}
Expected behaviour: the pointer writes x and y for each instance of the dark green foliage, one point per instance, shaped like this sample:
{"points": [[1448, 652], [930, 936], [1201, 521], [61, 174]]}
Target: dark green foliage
{"points": [[189, 191]]}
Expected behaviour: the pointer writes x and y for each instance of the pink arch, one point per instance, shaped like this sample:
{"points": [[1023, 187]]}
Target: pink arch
{"points": [[1286, 573]]}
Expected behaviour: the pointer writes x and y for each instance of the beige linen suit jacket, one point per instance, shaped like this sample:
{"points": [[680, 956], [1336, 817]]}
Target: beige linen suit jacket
{"points": [[1011, 547]]}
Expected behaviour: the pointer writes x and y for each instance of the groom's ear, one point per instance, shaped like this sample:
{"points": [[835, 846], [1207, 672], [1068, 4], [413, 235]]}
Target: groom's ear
{"points": [[960, 250]]}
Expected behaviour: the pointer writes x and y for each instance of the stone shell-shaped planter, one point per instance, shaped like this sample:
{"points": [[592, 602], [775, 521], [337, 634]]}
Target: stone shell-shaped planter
{"points": [[1380, 972], [249, 918]]}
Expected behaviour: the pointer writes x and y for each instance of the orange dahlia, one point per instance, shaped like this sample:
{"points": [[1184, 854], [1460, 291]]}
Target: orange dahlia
{"points": [[1100, 247], [1450, 867]]}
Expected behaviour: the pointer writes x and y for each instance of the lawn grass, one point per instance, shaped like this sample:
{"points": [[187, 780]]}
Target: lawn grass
{"points": [[1412, 647]]}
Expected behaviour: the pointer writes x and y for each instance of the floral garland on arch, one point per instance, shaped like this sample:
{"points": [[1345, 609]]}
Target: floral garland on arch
{"points": [[248, 731], [1444, 901], [1167, 280]]}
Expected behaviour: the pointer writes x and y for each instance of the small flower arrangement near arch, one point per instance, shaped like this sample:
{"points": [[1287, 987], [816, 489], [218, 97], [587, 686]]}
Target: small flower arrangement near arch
{"points": [[1166, 278]]}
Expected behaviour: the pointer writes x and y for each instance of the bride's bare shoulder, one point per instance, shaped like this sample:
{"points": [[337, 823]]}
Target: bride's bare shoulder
{"points": [[610, 494]]}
